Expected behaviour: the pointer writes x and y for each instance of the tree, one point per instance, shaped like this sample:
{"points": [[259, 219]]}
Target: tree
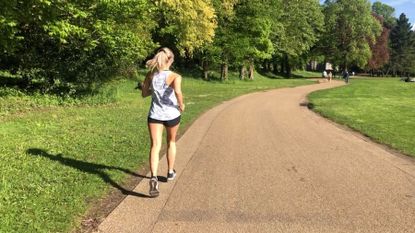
{"points": [[252, 28], [386, 11], [402, 44], [242, 35], [301, 30], [380, 49], [186, 24], [350, 27], [218, 52]]}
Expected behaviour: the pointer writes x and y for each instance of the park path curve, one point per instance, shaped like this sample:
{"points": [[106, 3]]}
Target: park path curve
{"points": [[263, 162]]}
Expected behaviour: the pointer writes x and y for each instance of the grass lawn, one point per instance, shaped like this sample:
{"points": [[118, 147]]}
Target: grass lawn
{"points": [[55, 159], [383, 109], [307, 74]]}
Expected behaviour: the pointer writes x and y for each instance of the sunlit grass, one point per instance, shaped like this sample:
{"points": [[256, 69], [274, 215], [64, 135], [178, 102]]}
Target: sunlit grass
{"points": [[383, 109]]}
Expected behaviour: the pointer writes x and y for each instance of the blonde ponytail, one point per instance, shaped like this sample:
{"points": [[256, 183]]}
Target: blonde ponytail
{"points": [[160, 60]]}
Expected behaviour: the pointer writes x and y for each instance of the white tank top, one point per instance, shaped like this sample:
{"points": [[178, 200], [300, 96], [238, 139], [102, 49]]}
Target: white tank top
{"points": [[164, 106]]}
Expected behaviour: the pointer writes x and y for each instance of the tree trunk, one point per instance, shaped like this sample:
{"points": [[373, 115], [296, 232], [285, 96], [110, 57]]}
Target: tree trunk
{"points": [[275, 67], [282, 65], [205, 66], [242, 74], [224, 73], [287, 66], [251, 69], [387, 72]]}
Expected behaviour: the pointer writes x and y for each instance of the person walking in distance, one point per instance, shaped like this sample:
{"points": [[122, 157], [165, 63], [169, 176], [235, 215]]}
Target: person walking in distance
{"points": [[346, 76], [330, 76], [325, 74], [164, 86]]}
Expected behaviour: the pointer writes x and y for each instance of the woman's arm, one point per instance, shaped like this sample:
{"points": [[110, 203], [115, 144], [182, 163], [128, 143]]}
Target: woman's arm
{"points": [[145, 90], [177, 86]]}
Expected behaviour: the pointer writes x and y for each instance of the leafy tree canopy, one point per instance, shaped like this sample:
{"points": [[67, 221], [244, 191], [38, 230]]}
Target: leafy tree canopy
{"points": [[386, 11], [350, 27], [191, 23]]}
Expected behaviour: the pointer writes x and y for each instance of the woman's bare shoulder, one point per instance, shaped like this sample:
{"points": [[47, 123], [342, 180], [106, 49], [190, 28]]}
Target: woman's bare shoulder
{"points": [[174, 74]]}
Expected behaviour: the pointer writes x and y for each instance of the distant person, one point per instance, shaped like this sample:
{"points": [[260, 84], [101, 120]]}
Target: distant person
{"points": [[164, 86], [346, 76], [330, 76], [325, 74]]}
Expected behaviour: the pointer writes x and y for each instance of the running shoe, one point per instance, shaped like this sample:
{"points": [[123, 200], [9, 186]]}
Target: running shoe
{"points": [[171, 176], [154, 187]]}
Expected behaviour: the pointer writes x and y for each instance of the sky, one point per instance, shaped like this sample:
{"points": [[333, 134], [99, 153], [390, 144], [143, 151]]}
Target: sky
{"points": [[401, 6]]}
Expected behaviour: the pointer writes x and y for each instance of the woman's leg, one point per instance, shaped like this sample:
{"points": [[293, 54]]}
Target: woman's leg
{"points": [[171, 145], [156, 132]]}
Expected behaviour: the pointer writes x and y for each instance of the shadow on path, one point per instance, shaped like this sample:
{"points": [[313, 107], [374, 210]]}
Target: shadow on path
{"points": [[92, 168], [308, 105]]}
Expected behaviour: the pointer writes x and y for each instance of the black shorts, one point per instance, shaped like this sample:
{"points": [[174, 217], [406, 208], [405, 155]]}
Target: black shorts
{"points": [[169, 123]]}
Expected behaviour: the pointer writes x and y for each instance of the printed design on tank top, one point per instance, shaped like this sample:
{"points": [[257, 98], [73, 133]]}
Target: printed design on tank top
{"points": [[164, 103], [165, 99]]}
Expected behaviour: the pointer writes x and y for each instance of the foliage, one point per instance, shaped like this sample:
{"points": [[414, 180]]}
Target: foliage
{"points": [[216, 51], [402, 44], [72, 47], [261, 30], [386, 11], [190, 23], [61, 46], [252, 30], [380, 49], [349, 28], [301, 30]]}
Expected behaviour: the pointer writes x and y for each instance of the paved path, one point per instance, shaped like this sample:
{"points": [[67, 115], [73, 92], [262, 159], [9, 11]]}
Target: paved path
{"points": [[264, 163]]}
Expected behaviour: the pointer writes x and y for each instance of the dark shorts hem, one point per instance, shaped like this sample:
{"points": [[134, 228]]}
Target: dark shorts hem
{"points": [[169, 123]]}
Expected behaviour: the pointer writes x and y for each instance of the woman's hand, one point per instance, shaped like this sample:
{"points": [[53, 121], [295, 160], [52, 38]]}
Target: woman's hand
{"points": [[181, 107]]}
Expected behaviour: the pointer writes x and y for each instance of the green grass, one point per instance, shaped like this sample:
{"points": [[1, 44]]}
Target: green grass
{"points": [[56, 157], [383, 109], [13, 101], [307, 74]]}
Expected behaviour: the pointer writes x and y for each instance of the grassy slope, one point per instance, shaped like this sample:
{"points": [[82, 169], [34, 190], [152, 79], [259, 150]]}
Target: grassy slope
{"points": [[383, 109], [54, 159]]}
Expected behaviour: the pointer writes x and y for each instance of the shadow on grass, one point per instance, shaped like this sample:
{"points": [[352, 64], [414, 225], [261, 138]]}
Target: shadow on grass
{"points": [[92, 168]]}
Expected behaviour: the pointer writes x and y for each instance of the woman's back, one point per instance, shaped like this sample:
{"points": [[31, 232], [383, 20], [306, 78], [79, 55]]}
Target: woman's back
{"points": [[164, 104]]}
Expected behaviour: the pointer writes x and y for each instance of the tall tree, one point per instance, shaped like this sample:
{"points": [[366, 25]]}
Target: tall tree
{"points": [[243, 34], [380, 49], [402, 44], [301, 30], [252, 28], [349, 28], [219, 51]]}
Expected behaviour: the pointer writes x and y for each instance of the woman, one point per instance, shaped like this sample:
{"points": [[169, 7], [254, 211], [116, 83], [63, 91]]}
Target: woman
{"points": [[164, 86]]}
